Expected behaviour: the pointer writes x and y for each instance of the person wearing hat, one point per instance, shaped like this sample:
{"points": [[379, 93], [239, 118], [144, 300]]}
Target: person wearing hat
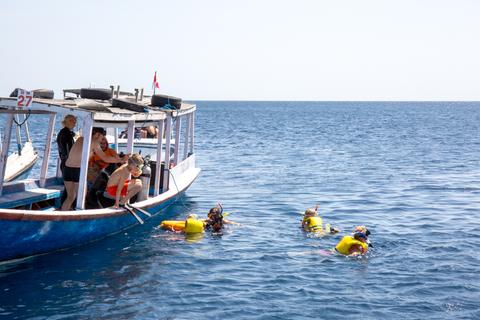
{"points": [[312, 222], [355, 244]]}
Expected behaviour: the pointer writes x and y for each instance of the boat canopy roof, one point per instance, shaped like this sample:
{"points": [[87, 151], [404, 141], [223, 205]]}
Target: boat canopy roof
{"points": [[101, 111]]}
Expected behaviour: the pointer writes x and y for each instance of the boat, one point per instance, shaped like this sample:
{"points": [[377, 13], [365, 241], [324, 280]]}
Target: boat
{"points": [[29, 218], [20, 162]]}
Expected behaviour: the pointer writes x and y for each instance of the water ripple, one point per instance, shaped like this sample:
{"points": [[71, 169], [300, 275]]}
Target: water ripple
{"points": [[407, 170]]}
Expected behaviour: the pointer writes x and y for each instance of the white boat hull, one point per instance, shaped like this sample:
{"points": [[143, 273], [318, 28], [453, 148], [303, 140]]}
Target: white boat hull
{"points": [[18, 164]]}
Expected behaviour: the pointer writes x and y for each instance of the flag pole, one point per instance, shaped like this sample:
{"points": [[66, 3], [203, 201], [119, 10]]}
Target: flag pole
{"points": [[154, 82]]}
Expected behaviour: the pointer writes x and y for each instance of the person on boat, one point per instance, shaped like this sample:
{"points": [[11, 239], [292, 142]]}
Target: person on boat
{"points": [[96, 164], [312, 222], [152, 132], [138, 133], [71, 176], [65, 139], [119, 186], [355, 244]]}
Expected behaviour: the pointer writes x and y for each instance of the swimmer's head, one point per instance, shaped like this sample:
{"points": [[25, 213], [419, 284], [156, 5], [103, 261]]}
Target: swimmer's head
{"points": [[192, 216], [362, 229], [214, 212], [310, 212], [360, 236]]}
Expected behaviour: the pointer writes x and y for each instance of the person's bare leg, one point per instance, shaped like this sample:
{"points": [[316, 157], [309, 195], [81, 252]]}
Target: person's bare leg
{"points": [[71, 189], [134, 187]]}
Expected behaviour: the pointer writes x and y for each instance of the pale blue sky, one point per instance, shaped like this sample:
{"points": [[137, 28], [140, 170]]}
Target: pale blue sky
{"points": [[247, 50]]}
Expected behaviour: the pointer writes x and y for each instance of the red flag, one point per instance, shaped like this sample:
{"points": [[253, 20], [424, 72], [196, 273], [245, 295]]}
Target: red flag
{"points": [[155, 83]]}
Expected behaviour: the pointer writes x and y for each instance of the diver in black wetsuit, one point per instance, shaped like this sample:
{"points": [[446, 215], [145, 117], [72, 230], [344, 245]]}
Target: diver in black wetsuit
{"points": [[65, 139], [214, 220]]}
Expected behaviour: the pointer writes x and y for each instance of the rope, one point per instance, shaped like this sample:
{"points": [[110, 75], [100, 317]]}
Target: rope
{"points": [[24, 120], [168, 106], [178, 190]]}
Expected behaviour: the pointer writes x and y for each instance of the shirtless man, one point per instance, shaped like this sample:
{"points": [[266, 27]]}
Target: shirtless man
{"points": [[71, 175], [119, 186]]}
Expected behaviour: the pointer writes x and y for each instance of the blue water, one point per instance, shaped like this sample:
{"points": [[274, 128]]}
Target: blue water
{"points": [[409, 171]]}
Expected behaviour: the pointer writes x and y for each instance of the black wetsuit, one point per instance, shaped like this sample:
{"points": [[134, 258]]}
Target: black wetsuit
{"points": [[65, 143], [214, 223]]}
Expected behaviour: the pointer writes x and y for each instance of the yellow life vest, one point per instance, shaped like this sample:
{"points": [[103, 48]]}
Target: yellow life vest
{"points": [[193, 226], [347, 242], [313, 224]]}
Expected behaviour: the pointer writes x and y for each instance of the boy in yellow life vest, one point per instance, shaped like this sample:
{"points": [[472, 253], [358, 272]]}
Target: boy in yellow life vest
{"points": [[312, 222], [355, 244]]}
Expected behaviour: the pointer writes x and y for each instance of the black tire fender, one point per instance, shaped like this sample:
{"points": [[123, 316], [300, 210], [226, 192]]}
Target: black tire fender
{"points": [[161, 100], [129, 105], [43, 93], [37, 93], [96, 93]]}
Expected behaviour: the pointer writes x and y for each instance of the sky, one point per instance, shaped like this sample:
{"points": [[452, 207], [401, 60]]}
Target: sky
{"points": [[336, 50]]}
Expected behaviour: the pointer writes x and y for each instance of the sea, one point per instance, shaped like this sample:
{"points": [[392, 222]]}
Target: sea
{"points": [[409, 171]]}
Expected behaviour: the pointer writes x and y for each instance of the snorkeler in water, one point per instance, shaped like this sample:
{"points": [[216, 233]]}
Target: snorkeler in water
{"points": [[214, 222], [312, 222], [355, 244], [215, 219]]}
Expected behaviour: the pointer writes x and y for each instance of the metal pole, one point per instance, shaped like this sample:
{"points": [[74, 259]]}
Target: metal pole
{"points": [[168, 132], [27, 131], [116, 139], [156, 185], [48, 147], [177, 139], [87, 141], [19, 136], [5, 146], [187, 136], [192, 141], [130, 136]]}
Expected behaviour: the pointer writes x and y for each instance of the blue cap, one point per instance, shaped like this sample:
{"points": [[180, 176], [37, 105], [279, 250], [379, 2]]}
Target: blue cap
{"points": [[360, 235]]}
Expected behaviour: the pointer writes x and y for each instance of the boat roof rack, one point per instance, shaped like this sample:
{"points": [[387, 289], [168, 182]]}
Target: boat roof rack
{"points": [[77, 93], [121, 110]]}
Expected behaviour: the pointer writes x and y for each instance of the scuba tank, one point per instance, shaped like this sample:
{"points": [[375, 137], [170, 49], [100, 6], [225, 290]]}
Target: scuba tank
{"points": [[145, 178]]}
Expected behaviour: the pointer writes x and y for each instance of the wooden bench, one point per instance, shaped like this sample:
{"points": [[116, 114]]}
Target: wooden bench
{"points": [[22, 198]]}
